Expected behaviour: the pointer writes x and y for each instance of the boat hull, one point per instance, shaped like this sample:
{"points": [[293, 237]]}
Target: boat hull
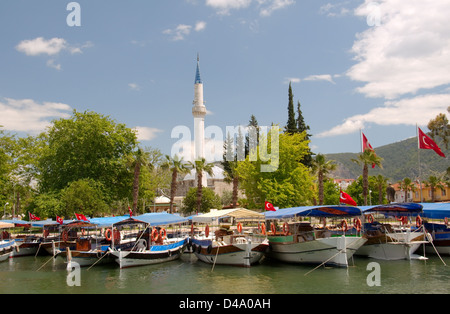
{"points": [[7, 247], [393, 246], [242, 254], [335, 251], [155, 255]]}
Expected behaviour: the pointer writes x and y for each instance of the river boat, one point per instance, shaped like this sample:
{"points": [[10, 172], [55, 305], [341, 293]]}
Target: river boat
{"points": [[301, 241], [32, 241], [154, 243], [7, 244], [225, 246], [439, 230], [396, 239]]}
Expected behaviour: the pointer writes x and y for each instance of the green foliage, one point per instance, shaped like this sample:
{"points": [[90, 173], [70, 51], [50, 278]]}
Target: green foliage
{"points": [[87, 145], [209, 200], [289, 184], [355, 190]]}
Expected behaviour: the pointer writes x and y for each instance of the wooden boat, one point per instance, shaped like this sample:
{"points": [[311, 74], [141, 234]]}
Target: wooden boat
{"points": [[302, 242], [31, 242], [7, 244], [439, 231], [227, 247], [153, 243], [390, 241]]}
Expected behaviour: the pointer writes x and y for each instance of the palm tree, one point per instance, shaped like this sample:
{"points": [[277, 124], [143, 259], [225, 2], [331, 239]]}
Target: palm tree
{"points": [[176, 166], [368, 157], [407, 185], [434, 182], [201, 166], [321, 167], [380, 182], [141, 158]]}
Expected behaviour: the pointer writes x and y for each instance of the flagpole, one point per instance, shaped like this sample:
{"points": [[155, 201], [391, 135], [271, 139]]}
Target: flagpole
{"points": [[418, 159], [361, 141]]}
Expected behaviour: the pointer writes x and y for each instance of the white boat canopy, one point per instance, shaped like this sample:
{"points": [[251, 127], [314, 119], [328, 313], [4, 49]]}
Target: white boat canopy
{"points": [[238, 213]]}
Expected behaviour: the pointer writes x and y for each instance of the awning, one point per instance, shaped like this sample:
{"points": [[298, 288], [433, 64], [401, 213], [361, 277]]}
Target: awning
{"points": [[436, 210], [238, 213], [396, 209], [5, 224], [154, 219], [314, 211]]}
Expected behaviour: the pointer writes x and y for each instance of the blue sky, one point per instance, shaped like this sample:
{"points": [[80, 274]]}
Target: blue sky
{"points": [[380, 66]]}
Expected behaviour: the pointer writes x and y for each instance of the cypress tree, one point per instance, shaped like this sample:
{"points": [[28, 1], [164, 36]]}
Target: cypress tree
{"points": [[291, 126]]}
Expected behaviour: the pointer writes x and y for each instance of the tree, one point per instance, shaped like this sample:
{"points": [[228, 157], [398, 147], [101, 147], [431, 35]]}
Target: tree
{"points": [[440, 127], [209, 200], [291, 126], [381, 183], [201, 166], [288, 184], [321, 167], [434, 182], [176, 166], [87, 146], [366, 158], [303, 127], [141, 159], [407, 185], [229, 164]]}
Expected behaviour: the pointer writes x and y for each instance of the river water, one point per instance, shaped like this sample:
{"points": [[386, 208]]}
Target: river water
{"points": [[188, 276]]}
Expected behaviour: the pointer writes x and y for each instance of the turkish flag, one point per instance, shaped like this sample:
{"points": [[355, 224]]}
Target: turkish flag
{"points": [[269, 206], [33, 217], [59, 220], [366, 145], [81, 217], [425, 142], [346, 199]]}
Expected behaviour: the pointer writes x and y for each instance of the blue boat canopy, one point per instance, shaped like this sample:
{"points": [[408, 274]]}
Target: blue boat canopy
{"points": [[315, 211], [436, 210], [155, 219], [396, 209]]}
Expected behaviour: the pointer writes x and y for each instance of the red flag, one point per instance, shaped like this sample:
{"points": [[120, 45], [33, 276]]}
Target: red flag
{"points": [[59, 220], [269, 207], [130, 211], [366, 145], [81, 217], [33, 217], [425, 142], [346, 199]]}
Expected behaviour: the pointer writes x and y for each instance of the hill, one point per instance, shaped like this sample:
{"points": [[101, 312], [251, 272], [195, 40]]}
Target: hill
{"points": [[400, 160]]}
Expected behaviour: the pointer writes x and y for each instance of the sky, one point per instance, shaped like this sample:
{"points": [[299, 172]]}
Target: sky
{"points": [[377, 66]]}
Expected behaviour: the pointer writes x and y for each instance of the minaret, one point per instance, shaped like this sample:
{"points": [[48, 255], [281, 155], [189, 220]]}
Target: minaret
{"points": [[199, 113]]}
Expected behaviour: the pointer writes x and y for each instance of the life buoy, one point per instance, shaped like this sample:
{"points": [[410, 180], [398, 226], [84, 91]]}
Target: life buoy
{"points": [[273, 228], [163, 233], [285, 228], [207, 231], [370, 218], [239, 227], [357, 224], [65, 235], [446, 221], [418, 221], [403, 220], [155, 235], [263, 228], [344, 225], [108, 234]]}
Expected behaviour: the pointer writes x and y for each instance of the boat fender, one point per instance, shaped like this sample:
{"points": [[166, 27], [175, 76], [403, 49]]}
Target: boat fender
{"points": [[108, 234], [285, 228], [199, 249], [207, 231], [209, 249], [418, 221], [189, 244]]}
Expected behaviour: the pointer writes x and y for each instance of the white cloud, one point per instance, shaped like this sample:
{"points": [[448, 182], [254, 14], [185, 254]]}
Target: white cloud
{"points": [[146, 133], [224, 6], [134, 86], [316, 77], [408, 52], [26, 115], [50, 47], [266, 7], [182, 30], [411, 111], [335, 9], [274, 5]]}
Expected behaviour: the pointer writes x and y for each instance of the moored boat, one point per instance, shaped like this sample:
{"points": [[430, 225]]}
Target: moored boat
{"points": [[397, 238], [439, 230], [7, 244], [154, 244], [227, 247], [304, 243]]}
